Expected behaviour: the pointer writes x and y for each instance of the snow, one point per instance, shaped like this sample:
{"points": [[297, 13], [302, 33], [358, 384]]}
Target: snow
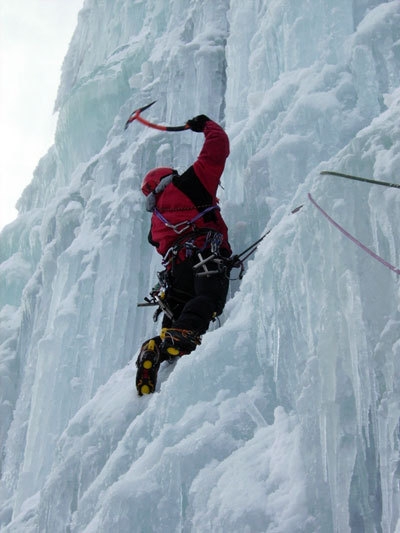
{"points": [[286, 418]]}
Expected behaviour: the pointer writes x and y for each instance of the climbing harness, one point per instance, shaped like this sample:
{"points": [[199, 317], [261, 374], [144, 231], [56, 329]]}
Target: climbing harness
{"points": [[158, 297], [221, 265], [180, 227], [187, 244]]}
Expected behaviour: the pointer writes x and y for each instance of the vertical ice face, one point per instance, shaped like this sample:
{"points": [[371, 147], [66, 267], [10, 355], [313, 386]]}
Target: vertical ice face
{"points": [[286, 418]]}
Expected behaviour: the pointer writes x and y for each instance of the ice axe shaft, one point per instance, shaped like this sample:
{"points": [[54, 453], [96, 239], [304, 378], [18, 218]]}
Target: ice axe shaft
{"points": [[136, 115]]}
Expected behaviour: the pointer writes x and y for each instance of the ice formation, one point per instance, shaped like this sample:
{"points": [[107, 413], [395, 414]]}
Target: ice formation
{"points": [[286, 418]]}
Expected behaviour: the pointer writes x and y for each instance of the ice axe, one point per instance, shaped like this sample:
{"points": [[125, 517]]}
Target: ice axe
{"points": [[136, 115]]}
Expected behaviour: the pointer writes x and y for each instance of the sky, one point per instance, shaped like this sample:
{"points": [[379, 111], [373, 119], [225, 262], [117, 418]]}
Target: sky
{"points": [[34, 38]]}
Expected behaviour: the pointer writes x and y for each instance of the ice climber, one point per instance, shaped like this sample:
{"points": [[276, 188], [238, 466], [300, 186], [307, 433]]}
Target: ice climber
{"points": [[188, 231]]}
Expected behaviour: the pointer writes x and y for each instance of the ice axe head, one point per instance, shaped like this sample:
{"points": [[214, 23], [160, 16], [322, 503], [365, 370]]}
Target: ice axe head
{"points": [[137, 112], [136, 115]]}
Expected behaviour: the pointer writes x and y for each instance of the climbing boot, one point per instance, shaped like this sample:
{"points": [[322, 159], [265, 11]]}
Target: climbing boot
{"points": [[148, 363], [177, 342]]}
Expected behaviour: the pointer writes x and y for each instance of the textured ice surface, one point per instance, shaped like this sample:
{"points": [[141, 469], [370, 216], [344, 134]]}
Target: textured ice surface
{"points": [[286, 418]]}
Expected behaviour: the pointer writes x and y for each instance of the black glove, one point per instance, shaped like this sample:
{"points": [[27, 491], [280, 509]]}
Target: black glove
{"points": [[197, 123]]}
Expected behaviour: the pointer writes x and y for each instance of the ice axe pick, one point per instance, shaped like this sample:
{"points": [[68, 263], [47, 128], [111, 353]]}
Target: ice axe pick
{"points": [[136, 115]]}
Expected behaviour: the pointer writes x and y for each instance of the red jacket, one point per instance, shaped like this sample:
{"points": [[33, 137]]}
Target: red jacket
{"points": [[200, 183]]}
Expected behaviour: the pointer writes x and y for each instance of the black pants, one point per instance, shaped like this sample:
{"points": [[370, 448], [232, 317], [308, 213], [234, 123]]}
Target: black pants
{"points": [[195, 300]]}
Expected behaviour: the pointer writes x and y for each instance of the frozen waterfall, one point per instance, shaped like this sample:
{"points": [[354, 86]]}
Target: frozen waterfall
{"points": [[286, 418]]}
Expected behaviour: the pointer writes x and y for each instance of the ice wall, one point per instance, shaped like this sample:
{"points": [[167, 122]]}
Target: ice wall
{"points": [[286, 418]]}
